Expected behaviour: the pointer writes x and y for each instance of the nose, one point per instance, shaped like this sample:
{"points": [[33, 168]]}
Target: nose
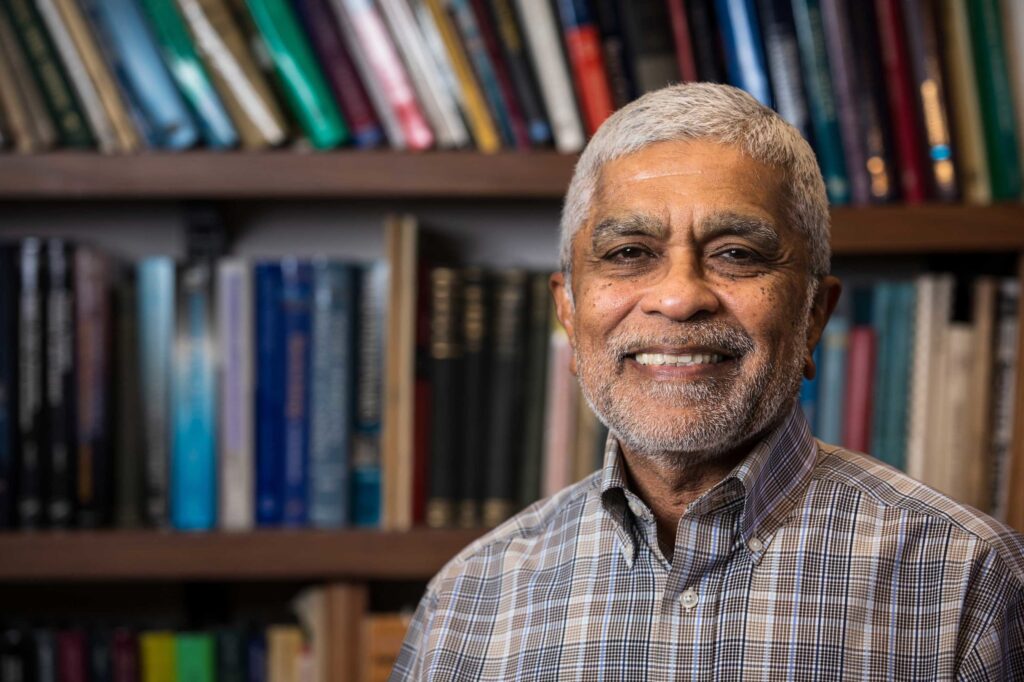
{"points": [[680, 290]]}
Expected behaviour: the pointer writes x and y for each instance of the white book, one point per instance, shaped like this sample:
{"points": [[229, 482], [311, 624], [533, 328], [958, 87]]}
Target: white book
{"points": [[234, 335], [435, 45], [544, 41], [439, 106]]}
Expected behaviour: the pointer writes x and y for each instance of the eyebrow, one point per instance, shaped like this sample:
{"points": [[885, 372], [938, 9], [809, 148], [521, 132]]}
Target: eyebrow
{"points": [[629, 226], [752, 227]]}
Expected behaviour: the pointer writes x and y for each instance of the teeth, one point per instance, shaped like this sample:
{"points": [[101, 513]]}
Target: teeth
{"points": [[678, 360]]}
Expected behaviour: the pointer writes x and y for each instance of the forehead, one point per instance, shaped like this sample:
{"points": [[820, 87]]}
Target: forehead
{"points": [[688, 183]]}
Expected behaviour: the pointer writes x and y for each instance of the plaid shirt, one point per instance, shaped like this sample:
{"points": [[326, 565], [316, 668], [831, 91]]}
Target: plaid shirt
{"points": [[807, 562]]}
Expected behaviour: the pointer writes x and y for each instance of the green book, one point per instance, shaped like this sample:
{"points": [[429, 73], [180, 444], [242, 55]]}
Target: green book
{"points": [[300, 75], [195, 656], [996, 98], [48, 71], [189, 74]]}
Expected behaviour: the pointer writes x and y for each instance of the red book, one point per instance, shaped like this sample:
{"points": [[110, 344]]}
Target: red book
{"points": [[905, 126], [860, 380], [124, 656], [681, 37], [72, 664], [583, 44], [517, 120]]}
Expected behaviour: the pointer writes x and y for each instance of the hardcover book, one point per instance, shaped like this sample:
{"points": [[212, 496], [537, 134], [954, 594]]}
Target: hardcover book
{"points": [[59, 343], [296, 318], [31, 383]]}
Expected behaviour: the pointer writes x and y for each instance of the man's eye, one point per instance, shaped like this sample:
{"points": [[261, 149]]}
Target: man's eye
{"points": [[627, 253], [738, 255]]}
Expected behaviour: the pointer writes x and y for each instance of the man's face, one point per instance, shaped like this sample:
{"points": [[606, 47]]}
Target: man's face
{"points": [[692, 324]]}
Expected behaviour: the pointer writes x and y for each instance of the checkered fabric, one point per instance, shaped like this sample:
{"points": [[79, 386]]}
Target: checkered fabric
{"points": [[808, 562]]}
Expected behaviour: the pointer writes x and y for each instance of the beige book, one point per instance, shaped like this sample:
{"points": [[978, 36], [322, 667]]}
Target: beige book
{"points": [[15, 117], [39, 132], [284, 653], [383, 634], [246, 94], [116, 109], [978, 473], [955, 455]]}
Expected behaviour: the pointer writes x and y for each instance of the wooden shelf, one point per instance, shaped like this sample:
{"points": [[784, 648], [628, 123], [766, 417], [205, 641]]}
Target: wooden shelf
{"points": [[93, 556]]}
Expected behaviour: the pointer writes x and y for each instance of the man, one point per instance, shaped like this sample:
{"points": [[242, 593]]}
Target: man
{"points": [[720, 541]]}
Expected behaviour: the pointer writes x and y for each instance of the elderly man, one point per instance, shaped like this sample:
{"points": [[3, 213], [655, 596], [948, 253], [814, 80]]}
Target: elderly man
{"points": [[720, 541]]}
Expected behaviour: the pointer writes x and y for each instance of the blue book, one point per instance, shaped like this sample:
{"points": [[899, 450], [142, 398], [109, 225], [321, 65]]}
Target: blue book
{"points": [[194, 451], [903, 307], [333, 392], [130, 47], [8, 383], [882, 307], [366, 463], [744, 52], [256, 658], [834, 344], [296, 316], [809, 393], [156, 330], [269, 395]]}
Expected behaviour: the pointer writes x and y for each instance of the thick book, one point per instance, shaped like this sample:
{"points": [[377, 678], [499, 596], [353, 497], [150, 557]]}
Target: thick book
{"points": [[157, 659], [860, 375], [583, 48], [9, 359], [296, 319], [883, 305], [474, 393], [1013, 40], [126, 397], [1004, 372], [542, 35], [256, 657], [235, 337], [59, 400], [124, 653], [270, 389], [681, 37], [538, 330], [334, 57], [156, 307], [744, 51], [835, 343], [234, 72], [384, 74], [31, 382], [617, 59], [61, 100], [284, 647], [189, 73], [1002, 139], [194, 412], [195, 657], [510, 34], [366, 446], [100, 666], [24, 107], [828, 143], [230, 645], [129, 42], [298, 73], [648, 34], [332, 397], [384, 634], [707, 46], [44, 655], [73, 655], [446, 365], [976, 468], [560, 412], [489, 33], [783, 59]]}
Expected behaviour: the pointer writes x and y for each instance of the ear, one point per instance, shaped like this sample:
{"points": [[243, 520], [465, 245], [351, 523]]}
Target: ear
{"points": [[825, 301], [564, 311]]}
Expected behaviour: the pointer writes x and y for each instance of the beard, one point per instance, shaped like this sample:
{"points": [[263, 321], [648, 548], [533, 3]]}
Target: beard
{"points": [[682, 423]]}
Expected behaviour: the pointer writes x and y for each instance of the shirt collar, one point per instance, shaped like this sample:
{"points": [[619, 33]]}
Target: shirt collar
{"points": [[770, 479]]}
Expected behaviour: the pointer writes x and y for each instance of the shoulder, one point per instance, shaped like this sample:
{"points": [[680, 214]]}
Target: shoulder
{"points": [[903, 505]]}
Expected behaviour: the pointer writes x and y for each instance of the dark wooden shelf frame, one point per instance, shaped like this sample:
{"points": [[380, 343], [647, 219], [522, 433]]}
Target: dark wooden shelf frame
{"points": [[105, 556]]}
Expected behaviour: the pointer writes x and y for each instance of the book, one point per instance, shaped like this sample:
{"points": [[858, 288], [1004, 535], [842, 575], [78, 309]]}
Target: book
{"points": [[15, 121], [649, 41], [124, 650], [244, 90], [195, 657], [189, 73], [44, 658], [685, 59], [284, 647], [1003, 417], [72, 655], [384, 75], [193, 407], [538, 330], [318, 21], [311, 609], [296, 319], [835, 343], [235, 340], [617, 59], [24, 109], [230, 654], [860, 373], [485, 23], [560, 416], [157, 658], [367, 505], [975, 468], [99, 660], [1013, 38], [31, 382], [9, 390], [270, 391], [783, 60], [744, 51], [256, 657], [475, 338], [582, 42], [59, 342], [541, 32], [332, 397], [707, 47], [126, 36], [513, 45], [298, 73], [383, 634], [446, 378]]}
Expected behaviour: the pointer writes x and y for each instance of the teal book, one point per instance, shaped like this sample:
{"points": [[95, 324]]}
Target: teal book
{"points": [[189, 73], [834, 344], [904, 302], [809, 393], [366, 454], [302, 80], [828, 145], [193, 454], [882, 307]]}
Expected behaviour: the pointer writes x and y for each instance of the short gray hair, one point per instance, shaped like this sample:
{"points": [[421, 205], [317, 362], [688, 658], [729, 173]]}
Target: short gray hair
{"points": [[718, 113]]}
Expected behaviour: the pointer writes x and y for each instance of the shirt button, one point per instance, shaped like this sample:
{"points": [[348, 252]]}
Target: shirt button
{"points": [[690, 598], [755, 545]]}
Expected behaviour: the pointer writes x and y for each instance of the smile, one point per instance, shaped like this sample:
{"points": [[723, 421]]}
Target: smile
{"points": [[678, 360]]}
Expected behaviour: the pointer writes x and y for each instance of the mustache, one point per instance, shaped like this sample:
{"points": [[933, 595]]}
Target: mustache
{"points": [[723, 339]]}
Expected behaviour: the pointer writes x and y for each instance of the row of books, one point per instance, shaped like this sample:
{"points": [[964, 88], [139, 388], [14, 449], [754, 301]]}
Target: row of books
{"points": [[324, 642], [920, 372], [911, 99]]}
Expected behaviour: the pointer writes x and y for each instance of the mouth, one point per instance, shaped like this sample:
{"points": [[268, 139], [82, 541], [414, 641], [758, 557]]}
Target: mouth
{"points": [[678, 359]]}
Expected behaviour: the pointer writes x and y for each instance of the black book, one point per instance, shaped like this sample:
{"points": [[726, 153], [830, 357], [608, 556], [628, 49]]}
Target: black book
{"points": [[45, 655], [8, 382], [101, 657], [473, 394], [782, 52], [231, 654], [16, 659], [504, 451], [445, 375], [648, 33], [538, 334], [128, 473], [617, 59], [524, 80], [60, 388], [707, 42], [31, 382]]}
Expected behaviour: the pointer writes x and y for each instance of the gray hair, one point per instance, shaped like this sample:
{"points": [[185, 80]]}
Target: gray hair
{"points": [[718, 113]]}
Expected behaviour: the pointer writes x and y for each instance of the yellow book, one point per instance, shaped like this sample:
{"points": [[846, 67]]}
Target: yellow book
{"points": [[284, 653], [474, 106], [157, 657]]}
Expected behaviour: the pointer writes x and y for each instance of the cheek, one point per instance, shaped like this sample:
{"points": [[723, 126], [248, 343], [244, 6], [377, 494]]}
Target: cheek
{"points": [[602, 306]]}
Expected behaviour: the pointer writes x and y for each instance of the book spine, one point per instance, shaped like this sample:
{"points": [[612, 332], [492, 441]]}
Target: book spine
{"points": [[1013, 40], [744, 52], [1003, 390], [331, 407], [834, 345], [510, 95], [230, 655], [681, 36], [19, 132], [124, 654], [31, 382], [559, 423], [473, 335], [366, 453], [235, 342], [127, 405], [648, 35], [195, 657], [256, 658], [883, 303], [340, 71], [24, 102], [296, 301], [44, 657], [828, 144], [364, 25], [860, 371], [138, 61], [542, 37], [521, 72], [269, 416], [299, 74], [44, 62], [809, 395], [60, 349], [9, 357], [157, 662], [783, 58], [583, 45], [538, 331], [1001, 134], [617, 59], [72, 656], [445, 376], [706, 45]]}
